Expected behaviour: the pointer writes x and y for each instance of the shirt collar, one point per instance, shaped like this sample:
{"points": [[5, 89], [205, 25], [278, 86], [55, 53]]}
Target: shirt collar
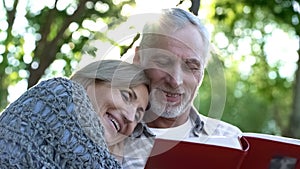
{"points": [[141, 129], [198, 124], [202, 124]]}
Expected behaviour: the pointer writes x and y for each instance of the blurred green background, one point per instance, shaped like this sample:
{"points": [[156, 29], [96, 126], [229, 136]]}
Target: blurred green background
{"points": [[256, 42]]}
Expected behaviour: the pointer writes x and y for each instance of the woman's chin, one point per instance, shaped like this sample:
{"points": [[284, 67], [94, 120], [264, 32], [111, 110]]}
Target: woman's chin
{"points": [[113, 140]]}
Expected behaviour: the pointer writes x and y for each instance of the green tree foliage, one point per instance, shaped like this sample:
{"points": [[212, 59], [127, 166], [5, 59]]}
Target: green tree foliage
{"points": [[35, 34], [260, 98], [34, 38]]}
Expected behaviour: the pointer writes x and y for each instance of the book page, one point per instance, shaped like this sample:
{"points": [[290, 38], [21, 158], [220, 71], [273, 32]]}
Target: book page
{"points": [[274, 138], [231, 142]]}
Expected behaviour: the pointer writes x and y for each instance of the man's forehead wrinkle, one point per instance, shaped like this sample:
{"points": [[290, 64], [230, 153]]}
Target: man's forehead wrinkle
{"points": [[186, 47], [162, 38], [158, 53], [171, 40]]}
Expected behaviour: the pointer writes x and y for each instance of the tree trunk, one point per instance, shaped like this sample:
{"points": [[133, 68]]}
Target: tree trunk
{"points": [[11, 16], [195, 7], [46, 50], [294, 126]]}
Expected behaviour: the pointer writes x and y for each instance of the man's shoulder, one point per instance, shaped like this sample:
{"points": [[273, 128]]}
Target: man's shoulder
{"points": [[218, 127]]}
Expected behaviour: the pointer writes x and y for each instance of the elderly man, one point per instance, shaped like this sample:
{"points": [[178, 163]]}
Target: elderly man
{"points": [[174, 51]]}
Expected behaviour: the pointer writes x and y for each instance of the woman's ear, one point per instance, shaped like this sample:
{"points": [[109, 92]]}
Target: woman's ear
{"points": [[136, 58]]}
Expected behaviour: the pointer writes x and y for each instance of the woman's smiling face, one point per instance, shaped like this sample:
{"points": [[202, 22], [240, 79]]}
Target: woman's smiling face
{"points": [[119, 109]]}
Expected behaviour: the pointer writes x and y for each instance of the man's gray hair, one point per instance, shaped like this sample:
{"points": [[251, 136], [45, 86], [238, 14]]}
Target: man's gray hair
{"points": [[169, 21]]}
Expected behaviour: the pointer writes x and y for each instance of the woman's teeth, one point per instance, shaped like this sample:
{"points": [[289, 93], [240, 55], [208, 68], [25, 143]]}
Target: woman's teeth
{"points": [[115, 123]]}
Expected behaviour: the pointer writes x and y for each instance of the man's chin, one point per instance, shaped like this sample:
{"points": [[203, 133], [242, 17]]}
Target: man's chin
{"points": [[165, 109], [171, 112]]}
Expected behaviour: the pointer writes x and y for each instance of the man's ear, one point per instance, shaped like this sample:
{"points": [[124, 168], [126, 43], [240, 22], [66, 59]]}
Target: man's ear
{"points": [[136, 58]]}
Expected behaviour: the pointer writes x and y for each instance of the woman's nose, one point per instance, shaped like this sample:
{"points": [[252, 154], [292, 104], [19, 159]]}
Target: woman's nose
{"points": [[129, 114]]}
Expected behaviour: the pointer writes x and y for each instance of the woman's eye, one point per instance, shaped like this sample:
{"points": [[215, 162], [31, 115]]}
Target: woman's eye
{"points": [[126, 95], [138, 116]]}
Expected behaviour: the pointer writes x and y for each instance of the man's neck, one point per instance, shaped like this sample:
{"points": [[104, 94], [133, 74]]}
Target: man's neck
{"points": [[162, 122]]}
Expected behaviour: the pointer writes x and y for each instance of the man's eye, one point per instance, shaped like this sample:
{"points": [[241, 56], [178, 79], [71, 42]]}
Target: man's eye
{"points": [[191, 67], [160, 60], [194, 67], [126, 95]]}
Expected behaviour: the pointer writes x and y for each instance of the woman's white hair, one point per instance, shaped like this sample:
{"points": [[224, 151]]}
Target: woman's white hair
{"points": [[117, 73]]}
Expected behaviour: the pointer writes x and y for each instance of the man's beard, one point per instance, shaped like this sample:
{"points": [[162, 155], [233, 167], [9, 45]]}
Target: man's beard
{"points": [[166, 109]]}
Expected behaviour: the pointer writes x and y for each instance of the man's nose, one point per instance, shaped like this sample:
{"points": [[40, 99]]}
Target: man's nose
{"points": [[175, 77]]}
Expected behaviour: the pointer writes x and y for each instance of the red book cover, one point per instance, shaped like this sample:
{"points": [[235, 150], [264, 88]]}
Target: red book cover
{"points": [[271, 152], [171, 154], [257, 151]]}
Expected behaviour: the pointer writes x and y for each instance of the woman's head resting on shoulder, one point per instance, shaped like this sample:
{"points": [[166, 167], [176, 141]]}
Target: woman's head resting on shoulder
{"points": [[119, 93]]}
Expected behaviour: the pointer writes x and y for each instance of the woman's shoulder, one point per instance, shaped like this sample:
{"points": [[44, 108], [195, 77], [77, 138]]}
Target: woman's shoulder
{"points": [[58, 83], [53, 120], [57, 89], [72, 95]]}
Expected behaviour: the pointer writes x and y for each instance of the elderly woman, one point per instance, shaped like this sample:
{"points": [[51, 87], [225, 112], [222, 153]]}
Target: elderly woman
{"points": [[62, 123]]}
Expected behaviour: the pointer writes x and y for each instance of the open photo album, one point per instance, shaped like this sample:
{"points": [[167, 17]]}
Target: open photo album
{"points": [[251, 151]]}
